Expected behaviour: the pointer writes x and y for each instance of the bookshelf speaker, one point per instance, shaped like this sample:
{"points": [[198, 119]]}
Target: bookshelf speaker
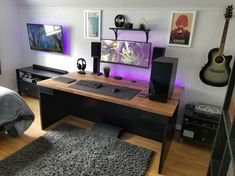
{"points": [[95, 53], [158, 52]]}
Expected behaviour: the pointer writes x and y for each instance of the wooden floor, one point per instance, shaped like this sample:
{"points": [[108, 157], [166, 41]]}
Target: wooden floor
{"points": [[182, 160]]}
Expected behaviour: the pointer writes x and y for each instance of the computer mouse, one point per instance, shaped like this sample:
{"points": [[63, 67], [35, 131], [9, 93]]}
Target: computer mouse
{"points": [[115, 90]]}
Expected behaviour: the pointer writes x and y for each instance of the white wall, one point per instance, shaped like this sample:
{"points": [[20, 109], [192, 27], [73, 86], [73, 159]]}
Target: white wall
{"points": [[10, 43], [127, 3], [207, 35]]}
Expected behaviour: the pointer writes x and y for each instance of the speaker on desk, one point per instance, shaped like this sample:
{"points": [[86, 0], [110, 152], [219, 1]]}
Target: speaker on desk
{"points": [[95, 53], [162, 78], [158, 52]]}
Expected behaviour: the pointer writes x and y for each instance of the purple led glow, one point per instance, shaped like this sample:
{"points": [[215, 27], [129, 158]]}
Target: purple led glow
{"points": [[135, 73], [130, 72], [179, 83], [66, 39]]}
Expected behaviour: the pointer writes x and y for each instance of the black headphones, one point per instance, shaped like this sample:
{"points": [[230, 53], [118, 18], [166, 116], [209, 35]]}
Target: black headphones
{"points": [[119, 21], [81, 65]]}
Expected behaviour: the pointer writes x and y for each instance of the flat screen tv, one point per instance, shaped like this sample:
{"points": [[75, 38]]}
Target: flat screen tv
{"points": [[45, 37], [126, 52]]}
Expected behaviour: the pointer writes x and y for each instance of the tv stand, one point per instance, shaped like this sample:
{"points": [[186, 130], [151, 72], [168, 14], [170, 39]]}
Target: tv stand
{"points": [[28, 77]]}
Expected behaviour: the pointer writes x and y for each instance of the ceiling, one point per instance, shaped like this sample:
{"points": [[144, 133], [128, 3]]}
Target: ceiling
{"points": [[127, 3]]}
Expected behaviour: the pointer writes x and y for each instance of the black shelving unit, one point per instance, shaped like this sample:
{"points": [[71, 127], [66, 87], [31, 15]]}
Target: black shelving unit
{"points": [[223, 152], [115, 30], [28, 77], [197, 127]]}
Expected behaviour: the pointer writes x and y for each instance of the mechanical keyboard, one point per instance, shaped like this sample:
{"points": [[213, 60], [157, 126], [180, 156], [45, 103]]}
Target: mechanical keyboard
{"points": [[88, 83]]}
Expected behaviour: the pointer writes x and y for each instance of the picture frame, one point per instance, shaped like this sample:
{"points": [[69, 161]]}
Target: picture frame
{"points": [[181, 28], [92, 24]]}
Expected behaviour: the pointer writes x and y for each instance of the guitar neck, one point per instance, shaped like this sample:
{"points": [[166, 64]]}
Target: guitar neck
{"points": [[223, 39]]}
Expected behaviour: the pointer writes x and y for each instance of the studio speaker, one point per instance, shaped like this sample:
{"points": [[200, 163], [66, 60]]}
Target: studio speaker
{"points": [[162, 79], [95, 53], [158, 52]]}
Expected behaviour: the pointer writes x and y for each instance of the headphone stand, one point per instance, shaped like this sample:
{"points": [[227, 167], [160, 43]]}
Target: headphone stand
{"points": [[82, 72]]}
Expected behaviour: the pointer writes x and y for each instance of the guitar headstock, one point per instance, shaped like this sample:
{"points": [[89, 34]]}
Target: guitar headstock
{"points": [[229, 12]]}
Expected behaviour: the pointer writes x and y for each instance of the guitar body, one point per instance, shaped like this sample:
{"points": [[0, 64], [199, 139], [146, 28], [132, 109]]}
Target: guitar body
{"points": [[217, 70]]}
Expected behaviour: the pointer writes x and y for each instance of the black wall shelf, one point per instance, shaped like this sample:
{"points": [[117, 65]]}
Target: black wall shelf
{"points": [[115, 30]]}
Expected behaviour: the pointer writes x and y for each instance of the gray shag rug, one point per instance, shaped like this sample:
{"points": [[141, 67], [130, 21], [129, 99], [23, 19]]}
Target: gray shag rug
{"points": [[69, 150]]}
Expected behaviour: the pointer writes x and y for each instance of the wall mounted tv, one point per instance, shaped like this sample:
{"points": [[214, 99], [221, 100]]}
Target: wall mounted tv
{"points": [[45, 37], [126, 52]]}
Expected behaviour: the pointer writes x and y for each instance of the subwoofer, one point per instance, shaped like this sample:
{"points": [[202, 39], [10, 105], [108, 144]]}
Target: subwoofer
{"points": [[95, 53], [162, 78], [158, 52]]}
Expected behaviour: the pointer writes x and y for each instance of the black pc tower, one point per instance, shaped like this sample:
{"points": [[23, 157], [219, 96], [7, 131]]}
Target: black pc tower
{"points": [[162, 78]]}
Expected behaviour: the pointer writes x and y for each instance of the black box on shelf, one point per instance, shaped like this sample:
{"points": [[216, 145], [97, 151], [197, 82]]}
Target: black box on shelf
{"points": [[200, 125]]}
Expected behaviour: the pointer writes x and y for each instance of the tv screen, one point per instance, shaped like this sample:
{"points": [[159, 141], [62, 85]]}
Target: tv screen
{"points": [[126, 52], [45, 37]]}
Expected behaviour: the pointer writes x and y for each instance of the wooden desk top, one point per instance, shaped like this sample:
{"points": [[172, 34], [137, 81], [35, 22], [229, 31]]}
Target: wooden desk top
{"points": [[165, 109]]}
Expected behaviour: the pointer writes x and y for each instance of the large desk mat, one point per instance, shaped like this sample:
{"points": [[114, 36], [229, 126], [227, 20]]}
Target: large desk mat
{"points": [[124, 93]]}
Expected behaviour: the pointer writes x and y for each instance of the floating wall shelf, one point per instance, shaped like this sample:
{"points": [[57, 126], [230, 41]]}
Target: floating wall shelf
{"points": [[115, 30]]}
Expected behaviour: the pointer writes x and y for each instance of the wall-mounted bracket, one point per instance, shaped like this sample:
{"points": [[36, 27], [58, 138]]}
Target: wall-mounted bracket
{"points": [[115, 30]]}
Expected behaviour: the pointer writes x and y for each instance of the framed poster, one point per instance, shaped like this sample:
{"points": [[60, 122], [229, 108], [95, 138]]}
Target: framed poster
{"points": [[92, 24], [181, 28]]}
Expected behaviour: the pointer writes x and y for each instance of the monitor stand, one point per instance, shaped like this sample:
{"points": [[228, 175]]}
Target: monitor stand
{"points": [[82, 72], [117, 77], [99, 74], [107, 129]]}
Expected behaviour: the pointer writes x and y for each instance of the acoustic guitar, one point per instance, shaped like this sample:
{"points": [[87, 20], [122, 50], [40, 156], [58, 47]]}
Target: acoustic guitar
{"points": [[217, 70]]}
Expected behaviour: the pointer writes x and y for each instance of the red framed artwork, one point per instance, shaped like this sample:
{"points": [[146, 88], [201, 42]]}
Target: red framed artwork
{"points": [[181, 28]]}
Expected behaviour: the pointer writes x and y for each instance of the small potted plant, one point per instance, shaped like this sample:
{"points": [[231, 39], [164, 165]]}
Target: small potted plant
{"points": [[106, 71]]}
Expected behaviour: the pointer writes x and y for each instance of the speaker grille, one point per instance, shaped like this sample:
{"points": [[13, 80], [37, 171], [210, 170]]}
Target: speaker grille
{"points": [[95, 49]]}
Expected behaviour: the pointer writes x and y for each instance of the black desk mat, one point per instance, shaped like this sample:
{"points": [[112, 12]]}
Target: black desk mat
{"points": [[125, 93], [64, 79]]}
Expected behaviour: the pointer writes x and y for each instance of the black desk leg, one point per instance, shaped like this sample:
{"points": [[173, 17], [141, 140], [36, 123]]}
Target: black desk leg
{"points": [[18, 80], [168, 136], [52, 106]]}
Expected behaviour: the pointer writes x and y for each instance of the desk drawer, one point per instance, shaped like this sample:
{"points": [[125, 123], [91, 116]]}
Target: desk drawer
{"points": [[30, 89]]}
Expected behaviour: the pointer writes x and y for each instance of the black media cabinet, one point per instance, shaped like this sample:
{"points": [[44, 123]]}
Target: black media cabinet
{"points": [[198, 127], [28, 77]]}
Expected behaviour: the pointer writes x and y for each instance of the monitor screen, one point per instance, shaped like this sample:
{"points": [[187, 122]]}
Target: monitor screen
{"points": [[126, 52], [45, 37]]}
